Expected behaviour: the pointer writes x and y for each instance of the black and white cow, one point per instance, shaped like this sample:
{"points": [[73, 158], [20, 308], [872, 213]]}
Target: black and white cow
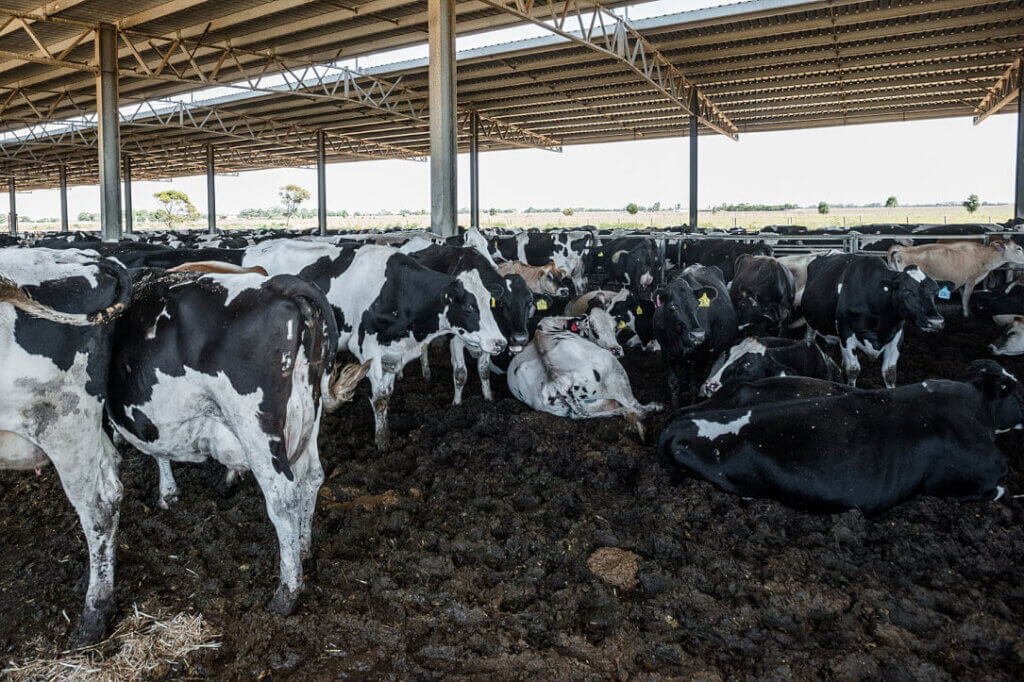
{"points": [[857, 302], [721, 253], [235, 368], [853, 448], [634, 263], [694, 322], [389, 307], [53, 385], [757, 358], [762, 293], [506, 297], [570, 251], [563, 374]]}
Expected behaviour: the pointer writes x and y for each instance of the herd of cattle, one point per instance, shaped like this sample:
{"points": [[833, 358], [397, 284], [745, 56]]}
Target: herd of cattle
{"points": [[193, 347]]}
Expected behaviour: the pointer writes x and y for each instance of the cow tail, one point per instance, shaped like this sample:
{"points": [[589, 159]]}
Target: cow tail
{"points": [[318, 338], [896, 258], [11, 293]]}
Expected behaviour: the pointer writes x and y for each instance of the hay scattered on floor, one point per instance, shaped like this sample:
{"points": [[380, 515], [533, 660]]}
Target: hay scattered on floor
{"points": [[140, 645]]}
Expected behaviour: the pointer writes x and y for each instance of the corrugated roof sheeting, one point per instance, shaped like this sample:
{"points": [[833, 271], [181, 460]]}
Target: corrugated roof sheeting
{"points": [[768, 65]]}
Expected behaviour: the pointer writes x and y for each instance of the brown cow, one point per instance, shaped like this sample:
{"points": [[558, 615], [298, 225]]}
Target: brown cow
{"points": [[218, 267], [540, 279], [964, 263]]}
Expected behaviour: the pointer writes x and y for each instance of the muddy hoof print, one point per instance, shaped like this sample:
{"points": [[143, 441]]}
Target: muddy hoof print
{"points": [[283, 602]]}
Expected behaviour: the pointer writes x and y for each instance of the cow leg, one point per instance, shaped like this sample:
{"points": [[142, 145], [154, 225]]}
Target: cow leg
{"points": [[425, 363], [809, 334], [674, 387], [459, 371], [965, 296], [309, 475], [850, 362], [90, 480], [168, 486], [286, 505], [890, 356], [483, 368], [382, 385]]}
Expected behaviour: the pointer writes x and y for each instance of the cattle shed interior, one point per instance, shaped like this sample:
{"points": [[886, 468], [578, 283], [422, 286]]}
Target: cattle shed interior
{"points": [[95, 91]]}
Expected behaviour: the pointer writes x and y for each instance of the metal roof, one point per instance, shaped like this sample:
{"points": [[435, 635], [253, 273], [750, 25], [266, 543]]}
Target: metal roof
{"points": [[766, 64]]}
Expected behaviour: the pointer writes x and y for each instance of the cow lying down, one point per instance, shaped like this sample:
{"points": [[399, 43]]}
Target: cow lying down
{"points": [[830, 447], [566, 375], [757, 358], [237, 368]]}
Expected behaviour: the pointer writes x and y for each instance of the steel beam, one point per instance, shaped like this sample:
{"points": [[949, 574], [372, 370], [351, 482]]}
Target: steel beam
{"points": [[12, 215], [443, 136], [614, 37], [474, 170], [1002, 93], [321, 182], [693, 170], [1019, 193], [63, 180], [129, 218], [211, 192], [108, 137]]}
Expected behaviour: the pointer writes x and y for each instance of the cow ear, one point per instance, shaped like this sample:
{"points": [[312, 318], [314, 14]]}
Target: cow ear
{"points": [[1000, 246]]}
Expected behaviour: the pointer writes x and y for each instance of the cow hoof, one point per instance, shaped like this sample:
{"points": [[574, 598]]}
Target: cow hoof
{"points": [[226, 488], [283, 602], [91, 627], [167, 501]]}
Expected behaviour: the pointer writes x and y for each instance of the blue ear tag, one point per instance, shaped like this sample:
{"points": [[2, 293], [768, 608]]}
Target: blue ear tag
{"points": [[944, 293]]}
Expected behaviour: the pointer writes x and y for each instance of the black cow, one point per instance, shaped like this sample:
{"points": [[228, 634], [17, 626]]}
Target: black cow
{"points": [[235, 368], [53, 384], [694, 322], [859, 303], [634, 263], [762, 292], [721, 253], [868, 450], [756, 358], [1007, 301]]}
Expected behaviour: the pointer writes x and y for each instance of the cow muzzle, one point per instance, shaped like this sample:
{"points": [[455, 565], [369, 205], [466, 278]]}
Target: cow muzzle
{"points": [[709, 389], [493, 346], [934, 324], [696, 337], [518, 341]]}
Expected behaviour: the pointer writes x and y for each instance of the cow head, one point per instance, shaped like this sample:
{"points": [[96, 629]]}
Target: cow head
{"points": [[746, 361], [553, 282], [1011, 250], [601, 330], [757, 317], [677, 326], [1001, 393], [1012, 340], [514, 306], [489, 338], [462, 313], [913, 293]]}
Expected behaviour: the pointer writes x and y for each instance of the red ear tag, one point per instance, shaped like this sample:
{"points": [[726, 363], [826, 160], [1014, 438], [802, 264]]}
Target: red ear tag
{"points": [[657, 302], [574, 328]]}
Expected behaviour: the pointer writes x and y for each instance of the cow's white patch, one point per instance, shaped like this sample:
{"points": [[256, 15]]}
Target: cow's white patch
{"points": [[712, 430], [235, 284], [1000, 491], [151, 332], [915, 273], [291, 333], [839, 290]]}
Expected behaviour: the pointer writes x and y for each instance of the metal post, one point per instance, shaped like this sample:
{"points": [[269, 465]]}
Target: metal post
{"points": [[109, 134], [211, 193], [64, 225], [12, 217], [474, 169], [321, 182], [693, 161], [1019, 202], [129, 219], [443, 140]]}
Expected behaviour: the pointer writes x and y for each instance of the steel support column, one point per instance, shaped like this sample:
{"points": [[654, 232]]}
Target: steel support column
{"points": [[12, 216], [443, 124], [129, 218], [693, 167], [474, 170], [321, 182], [1019, 199], [211, 192], [64, 226], [108, 133]]}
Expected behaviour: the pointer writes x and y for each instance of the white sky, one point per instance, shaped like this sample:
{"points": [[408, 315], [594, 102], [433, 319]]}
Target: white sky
{"points": [[919, 162]]}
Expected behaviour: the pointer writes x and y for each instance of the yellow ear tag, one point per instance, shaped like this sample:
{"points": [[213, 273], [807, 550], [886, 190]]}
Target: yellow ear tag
{"points": [[600, 253], [494, 304], [542, 304], [639, 310], [704, 301], [621, 325]]}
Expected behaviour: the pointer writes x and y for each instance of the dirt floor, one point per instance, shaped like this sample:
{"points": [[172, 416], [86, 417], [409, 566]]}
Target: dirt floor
{"points": [[463, 551]]}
